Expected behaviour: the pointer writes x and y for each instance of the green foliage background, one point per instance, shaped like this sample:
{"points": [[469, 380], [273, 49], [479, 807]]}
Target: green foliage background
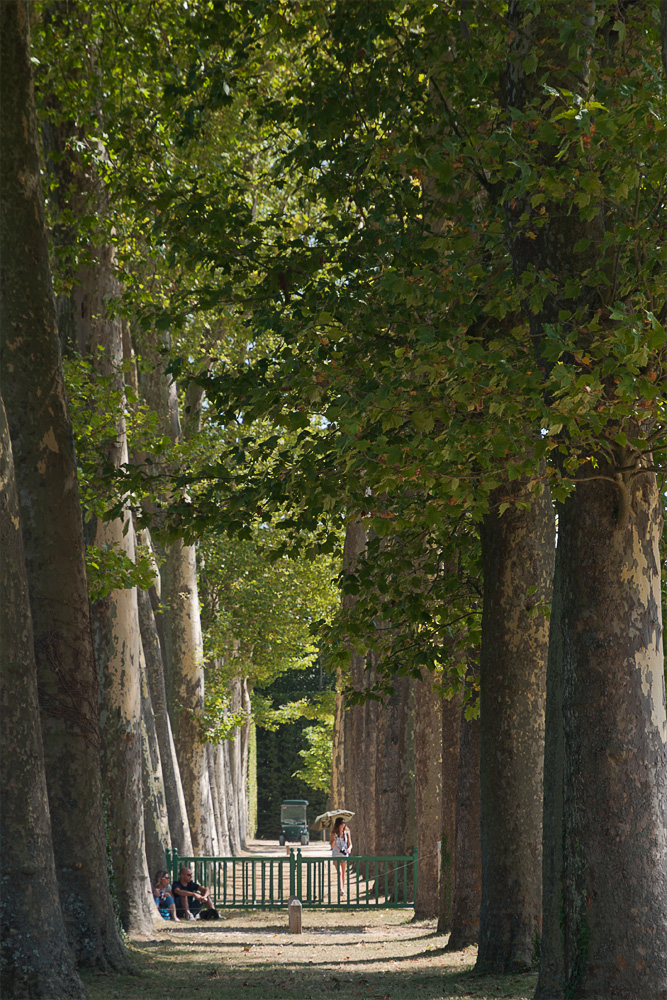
{"points": [[278, 756]]}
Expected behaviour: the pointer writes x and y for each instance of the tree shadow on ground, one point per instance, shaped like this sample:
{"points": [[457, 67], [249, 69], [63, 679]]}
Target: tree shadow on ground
{"points": [[170, 974]]}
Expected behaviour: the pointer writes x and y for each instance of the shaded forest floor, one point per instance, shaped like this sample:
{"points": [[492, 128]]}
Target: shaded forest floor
{"points": [[251, 956]]}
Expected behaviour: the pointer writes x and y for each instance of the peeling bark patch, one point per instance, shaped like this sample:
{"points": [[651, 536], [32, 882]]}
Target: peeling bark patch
{"points": [[49, 441]]}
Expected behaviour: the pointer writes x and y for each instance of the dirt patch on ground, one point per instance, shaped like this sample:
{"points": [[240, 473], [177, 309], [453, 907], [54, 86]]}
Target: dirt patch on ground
{"points": [[252, 956]]}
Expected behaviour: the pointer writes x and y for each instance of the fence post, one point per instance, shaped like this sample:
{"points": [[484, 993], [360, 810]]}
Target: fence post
{"points": [[299, 873], [294, 911], [415, 869], [174, 863], [292, 873]]}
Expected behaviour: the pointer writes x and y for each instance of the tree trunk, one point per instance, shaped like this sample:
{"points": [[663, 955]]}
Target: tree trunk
{"points": [[179, 828], [246, 707], [605, 868], [428, 794], [119, 657], [35, 959], [237, 759], [221, 783], [231, 785], [156, 821], [215, 795], [51, 522], [392, 771], [355, 730], [116, 629], [451, 727], [183, 645], [467, 895], [185, 684], [518, 558], [338, 777]]}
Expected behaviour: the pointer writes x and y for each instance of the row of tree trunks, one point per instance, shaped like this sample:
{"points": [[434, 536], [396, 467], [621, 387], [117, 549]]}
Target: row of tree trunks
{"points": [[379, 735], [51, 522], [182, 644], [179, 826]]}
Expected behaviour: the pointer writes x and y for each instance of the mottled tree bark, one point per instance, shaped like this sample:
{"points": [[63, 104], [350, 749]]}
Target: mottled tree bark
{"points": [[215, 795], [221, 784], [51, 521], [185, 685], [179, 828], [467, 894], [428, 794], [156, 820], [118, 648], [35, 959], [119, 657], [518, 559], [605, 825], [231, 785], [181, 627], [605, 852]]}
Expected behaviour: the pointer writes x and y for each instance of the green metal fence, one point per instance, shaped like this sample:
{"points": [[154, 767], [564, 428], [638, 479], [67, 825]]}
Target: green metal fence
{"points": [[267, 882]]}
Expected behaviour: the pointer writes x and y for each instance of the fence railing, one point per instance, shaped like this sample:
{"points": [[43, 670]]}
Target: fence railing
{"points": [[268, 882]]}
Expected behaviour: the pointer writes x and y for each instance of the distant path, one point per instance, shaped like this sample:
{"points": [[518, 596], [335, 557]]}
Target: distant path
{"points": [[316, 848]]}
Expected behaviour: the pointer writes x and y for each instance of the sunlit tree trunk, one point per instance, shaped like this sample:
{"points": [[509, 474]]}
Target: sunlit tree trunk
{"points": [[51, 522], [246, 728], [181, 627], [518, 559], [35, 959], [605, 830], [231, 786], [156, 821], [240, 701], [221, 783], [605, 915], [179, 828], [117, 634], [215, 795]]}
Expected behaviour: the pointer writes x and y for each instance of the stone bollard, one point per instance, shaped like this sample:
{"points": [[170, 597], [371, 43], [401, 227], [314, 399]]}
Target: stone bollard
{"points": [[294, 910]]}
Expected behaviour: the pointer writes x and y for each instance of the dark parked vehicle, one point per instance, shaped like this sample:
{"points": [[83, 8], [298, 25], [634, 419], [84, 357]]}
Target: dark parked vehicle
{"points": [[293, 822]]}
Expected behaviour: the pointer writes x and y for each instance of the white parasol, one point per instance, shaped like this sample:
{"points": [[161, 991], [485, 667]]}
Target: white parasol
{"points": [[328, 818]]}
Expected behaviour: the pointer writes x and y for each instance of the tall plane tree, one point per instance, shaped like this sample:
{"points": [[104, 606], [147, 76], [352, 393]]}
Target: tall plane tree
{"points": [[51, 522], [586, 224]]}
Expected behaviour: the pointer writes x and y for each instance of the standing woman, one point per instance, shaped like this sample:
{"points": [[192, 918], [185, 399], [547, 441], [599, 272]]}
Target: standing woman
{"points": [[341, 846]]}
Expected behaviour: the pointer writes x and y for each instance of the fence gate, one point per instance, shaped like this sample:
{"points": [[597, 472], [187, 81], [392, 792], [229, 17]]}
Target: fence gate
{"points": [[268, 882]]}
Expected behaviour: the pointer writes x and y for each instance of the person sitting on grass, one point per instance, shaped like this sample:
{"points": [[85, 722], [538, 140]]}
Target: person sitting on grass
{"points": [[190, 896], [162, 894]]}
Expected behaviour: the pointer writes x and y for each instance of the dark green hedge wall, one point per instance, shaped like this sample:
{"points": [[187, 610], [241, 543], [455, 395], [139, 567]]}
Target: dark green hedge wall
{"points": [[278, 756]]}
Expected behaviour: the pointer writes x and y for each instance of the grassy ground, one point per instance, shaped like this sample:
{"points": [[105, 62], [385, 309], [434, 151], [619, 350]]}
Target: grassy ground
{"points": [[251, 956]]}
